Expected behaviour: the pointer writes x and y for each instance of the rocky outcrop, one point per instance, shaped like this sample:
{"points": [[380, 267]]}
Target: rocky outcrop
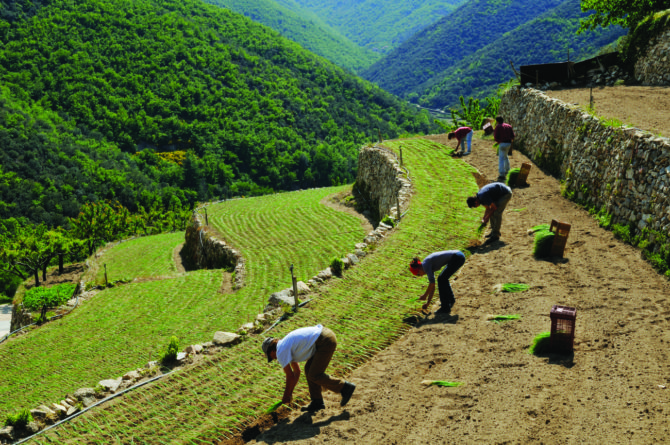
{"points": [[623, 170], [203, 250], [381, 182], [653, 68]]}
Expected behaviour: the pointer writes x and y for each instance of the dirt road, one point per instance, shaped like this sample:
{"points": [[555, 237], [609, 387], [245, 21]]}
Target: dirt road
{"points": [[611, 391]]}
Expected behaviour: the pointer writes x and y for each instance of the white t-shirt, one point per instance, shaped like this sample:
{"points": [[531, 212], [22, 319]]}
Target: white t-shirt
{"points": [[298, 346]]}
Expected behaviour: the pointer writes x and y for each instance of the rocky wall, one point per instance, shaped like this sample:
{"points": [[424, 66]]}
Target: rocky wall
{"points": [[202, 250], [381, 182], [653, 68], [623, 170]]}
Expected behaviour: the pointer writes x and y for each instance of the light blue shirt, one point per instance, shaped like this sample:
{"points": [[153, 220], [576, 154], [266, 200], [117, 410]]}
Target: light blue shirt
{"points": [[298, 346], [436, 261]]}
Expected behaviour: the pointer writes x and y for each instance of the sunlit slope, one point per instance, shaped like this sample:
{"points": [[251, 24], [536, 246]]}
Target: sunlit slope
{"points": [[123, 327], [365, 308]]}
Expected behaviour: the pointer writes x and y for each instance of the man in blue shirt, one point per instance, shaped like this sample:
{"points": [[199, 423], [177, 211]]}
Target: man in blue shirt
{"points": [[494, 197], [453, 260], [316, 345]]}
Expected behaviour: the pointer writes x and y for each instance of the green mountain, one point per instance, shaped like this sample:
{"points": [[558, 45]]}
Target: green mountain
{"points": [[229, 105], [544, 39], [379, 25], [469, 51], [306, 28]]}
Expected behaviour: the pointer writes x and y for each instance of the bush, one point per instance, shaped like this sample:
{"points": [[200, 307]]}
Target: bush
{"points": [[388, 221], [170, 354], [53, 296], [544, 238], [20, 419], [512, 175], [336, 267]]}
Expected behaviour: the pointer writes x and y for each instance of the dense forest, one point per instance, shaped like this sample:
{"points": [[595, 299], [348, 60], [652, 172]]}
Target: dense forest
{"points": [[469, 52], [378, 25], [544, 39], [305, 28], [150, 102]]}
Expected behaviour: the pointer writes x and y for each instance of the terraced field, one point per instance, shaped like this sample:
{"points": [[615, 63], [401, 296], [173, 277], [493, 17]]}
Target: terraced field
{"points": [[366, 309], [123, 327]]}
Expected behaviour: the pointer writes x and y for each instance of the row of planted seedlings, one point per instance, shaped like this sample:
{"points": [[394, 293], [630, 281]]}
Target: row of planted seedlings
{"points": [[366, 308]]}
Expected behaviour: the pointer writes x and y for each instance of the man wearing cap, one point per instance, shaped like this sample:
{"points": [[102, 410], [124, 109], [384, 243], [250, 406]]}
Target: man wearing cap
{"points": [[316, 345], [494, 197], [453, 260]]}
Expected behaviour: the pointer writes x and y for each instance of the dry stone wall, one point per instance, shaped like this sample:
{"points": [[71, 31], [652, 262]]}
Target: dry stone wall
{"points": [[654, 67], [625, 171], [381, 182]]}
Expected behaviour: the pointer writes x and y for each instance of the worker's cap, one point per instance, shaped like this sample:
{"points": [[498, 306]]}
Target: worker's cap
{"points": [[267, 343], [416, 268]]}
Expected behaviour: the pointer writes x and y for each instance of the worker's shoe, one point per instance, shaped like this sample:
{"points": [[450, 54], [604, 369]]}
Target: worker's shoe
{"points": [[492, 240], [314, 406], [347, 392], [443, 311]]}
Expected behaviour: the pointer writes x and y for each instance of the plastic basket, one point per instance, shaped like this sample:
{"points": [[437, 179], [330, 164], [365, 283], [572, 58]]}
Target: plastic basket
{"points": [[562, 327]]}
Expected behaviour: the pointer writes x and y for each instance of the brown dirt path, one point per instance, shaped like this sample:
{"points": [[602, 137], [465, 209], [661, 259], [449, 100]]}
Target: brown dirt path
{"points": [[647, 108], [607, 393]]}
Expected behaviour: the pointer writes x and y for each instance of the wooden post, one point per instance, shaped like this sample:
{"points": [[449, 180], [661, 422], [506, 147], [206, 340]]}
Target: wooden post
{"points": [[591, 99], [401, 155], [397, 200], [295, 291], [379, 132], [206, 217], [105, 264]]}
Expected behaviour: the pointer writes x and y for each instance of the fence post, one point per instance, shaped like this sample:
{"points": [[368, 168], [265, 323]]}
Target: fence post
{"points": [[401, 155], [397, 200], [206, 217], [591, 99], [295, 290], [105, 264]]}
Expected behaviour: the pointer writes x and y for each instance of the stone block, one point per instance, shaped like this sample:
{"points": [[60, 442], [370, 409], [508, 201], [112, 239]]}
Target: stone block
{"points": [[226, 338], [111, 385]]}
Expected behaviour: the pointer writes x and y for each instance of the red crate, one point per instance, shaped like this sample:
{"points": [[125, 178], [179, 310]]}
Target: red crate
{"points": [[562, 327]]}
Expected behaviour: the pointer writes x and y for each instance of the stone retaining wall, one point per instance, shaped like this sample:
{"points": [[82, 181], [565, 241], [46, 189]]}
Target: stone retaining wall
{"points": [[654, 67], [381, 182], [202, 250], [625, 171]]}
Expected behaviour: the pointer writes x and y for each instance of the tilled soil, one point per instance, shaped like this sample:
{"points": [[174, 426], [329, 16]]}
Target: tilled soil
{"points": [[611, 390], [643, 107]]}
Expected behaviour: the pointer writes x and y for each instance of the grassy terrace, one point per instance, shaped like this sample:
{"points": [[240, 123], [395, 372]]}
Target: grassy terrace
{"points": [[122, 328], [365, 308]]}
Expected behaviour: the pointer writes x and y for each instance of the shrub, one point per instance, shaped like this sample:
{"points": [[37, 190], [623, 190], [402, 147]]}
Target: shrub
{"points": [[512, 175], [544, 238], [170, 354], [336, 267], [53, 296], [20, 419], [388, 221]]}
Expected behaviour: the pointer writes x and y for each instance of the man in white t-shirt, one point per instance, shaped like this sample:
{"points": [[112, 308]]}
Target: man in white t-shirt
{"points": [[316, 345]]}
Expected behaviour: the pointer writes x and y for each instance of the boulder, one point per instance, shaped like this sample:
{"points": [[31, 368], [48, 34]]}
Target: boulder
{"points": [[59, 409], [82, 393], [111, 385], [353, 259], [361, 246], [360, 253], [226, 338], [39, 414], [72, 410], [33, 427], [133, 376], [194, 349], [207, 345], [281, 298], [7, 434], [151, 364], [302, 288], [248, 327], [181, 356], [325, 274]]}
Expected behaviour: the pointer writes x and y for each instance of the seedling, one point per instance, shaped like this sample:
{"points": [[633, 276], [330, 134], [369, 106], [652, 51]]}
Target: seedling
{"points": [[441, 383], [541, 343], [503, 318], [512, 175], [544, 238], [274, 407], [514, 287]]}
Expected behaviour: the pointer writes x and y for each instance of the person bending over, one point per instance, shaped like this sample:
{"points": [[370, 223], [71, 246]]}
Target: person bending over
{"points": [[494, 197], [453, 260], [315, 345], [462, 135]]}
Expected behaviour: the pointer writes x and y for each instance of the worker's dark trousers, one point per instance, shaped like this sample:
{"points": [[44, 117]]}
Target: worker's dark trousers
{"points": [[447, 299], [315, 368]]}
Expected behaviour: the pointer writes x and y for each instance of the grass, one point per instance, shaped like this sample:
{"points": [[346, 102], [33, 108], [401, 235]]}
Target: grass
{"points": [[540, 344], [441, 383], [273, 407], [544, 238], [126, 326], [365, 308], [514, 287], [512, 176]]}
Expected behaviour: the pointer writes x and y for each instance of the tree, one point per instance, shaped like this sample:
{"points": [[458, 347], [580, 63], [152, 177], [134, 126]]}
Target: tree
{"points": [[627, 13]]}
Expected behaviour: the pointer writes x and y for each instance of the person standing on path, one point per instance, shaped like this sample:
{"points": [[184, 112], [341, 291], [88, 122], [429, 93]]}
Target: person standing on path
{"points": [[504, 136], [462, 135], [316, 345], [453, 260], [494, 197]]}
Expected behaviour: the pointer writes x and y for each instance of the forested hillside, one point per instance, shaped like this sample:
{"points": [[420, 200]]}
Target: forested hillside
{"points": [[218, 104], [469, 51], [305, 28], [541, 40], [379, 25]]}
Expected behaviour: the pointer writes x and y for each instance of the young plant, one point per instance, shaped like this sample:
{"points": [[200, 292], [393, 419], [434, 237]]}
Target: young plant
{"points": [[171, 352], [19, 420], [540, 343], [441, 383], [388, 221], [503, 318], [544, 239], [512, 176], [337, 266], [514, 287]]}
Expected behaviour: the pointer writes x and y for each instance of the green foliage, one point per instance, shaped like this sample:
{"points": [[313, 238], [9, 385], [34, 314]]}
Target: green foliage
{"points": [[170, 354], [36, 297], [540, 227], [544, 239], [388, 221], [515, 287], [461, 55], [512, 176], [473, 114], [625, 13], [442, 383], [337, 266], [504, 318], [273, 407], [622, 232], [636, 43], [541, 344], [19, 419]]}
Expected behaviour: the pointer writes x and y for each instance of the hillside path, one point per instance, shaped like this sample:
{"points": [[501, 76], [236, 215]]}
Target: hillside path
{"points": [[610, 391]]}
